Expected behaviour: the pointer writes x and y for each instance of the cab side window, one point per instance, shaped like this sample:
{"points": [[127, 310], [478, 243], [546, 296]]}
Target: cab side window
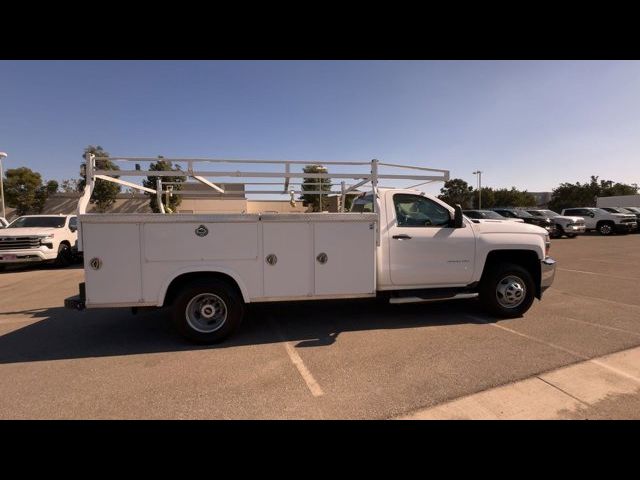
{"points": [[73, 223], [418, 211]]}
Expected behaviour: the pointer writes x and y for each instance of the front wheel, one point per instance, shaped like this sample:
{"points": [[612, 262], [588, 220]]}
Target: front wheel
{"points": [[507, 291], [65, 256], [207, 311], [605, 228], [557, 232]]}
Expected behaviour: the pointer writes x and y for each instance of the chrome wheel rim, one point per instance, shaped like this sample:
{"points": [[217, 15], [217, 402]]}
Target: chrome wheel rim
{"points": [[206, 313], [606, 229], [511, 291]]}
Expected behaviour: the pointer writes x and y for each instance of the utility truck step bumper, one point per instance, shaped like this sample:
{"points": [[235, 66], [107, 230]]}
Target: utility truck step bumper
{"points": [[77, 302]]}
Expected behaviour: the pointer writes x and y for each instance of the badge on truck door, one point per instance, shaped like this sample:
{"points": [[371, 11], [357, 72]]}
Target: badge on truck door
{"points": [[202, 231]]}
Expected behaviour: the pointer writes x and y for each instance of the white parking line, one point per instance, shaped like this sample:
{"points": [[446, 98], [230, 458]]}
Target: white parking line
{"points": [[315, 389], [552, 345], [599, 274], [573, 391], [606, 327], [598, 299], [557, 347], [296, 359]]}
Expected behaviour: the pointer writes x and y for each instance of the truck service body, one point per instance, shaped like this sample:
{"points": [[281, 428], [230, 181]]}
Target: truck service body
{"points": [[396, 243]]}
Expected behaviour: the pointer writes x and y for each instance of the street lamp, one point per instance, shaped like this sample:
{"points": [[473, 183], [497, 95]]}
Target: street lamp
{"points": [[2, 155], [479, 173]]}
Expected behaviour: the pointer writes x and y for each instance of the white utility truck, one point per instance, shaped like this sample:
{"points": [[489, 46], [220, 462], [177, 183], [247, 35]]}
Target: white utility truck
{"points": [[397, 244]]}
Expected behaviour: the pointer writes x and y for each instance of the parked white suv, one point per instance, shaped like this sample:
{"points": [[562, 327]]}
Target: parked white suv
{"points": [[39, 238], [604, 222]]}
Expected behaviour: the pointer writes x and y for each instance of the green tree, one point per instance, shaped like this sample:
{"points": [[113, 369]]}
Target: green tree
{"points": [[348, 201], [578, 194], [455, 191], [70, 185], [104, 192], [311, 184], [24, 191], [488, 198], [52, 187], [150, 182], [513, 197]]}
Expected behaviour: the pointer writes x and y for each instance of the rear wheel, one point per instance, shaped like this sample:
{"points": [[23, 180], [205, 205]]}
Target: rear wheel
{"points": [[64, 257], [207, 311], [507, 291]]}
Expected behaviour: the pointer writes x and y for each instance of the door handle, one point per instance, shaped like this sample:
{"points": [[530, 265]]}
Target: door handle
{"points": [[402, 237]]}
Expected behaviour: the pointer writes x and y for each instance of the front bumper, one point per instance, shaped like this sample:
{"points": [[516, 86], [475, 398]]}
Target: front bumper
{"points": [[575, 229], [547, 273], [26, 256], [626, 227]]}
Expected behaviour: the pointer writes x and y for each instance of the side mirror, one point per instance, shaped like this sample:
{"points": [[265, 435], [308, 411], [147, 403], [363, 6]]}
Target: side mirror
{"points": [[591, 214], [457, 217]]}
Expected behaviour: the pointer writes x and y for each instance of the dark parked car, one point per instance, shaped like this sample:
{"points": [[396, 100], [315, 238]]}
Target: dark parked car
{"points": [[569, 226], [543, 222]]}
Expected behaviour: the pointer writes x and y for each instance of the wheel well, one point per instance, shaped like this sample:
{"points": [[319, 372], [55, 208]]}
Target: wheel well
{"points": [[181, 280], [525, 258], [66, 242]]}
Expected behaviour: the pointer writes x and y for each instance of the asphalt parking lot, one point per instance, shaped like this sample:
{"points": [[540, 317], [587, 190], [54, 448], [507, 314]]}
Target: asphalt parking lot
{"points": [[316, 360]]}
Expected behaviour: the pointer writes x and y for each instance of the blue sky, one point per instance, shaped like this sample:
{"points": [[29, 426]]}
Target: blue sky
{"points": [[529, 124]]}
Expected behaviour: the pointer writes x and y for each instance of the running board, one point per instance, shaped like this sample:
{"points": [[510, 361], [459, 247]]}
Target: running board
{"points": [[458, 296]]}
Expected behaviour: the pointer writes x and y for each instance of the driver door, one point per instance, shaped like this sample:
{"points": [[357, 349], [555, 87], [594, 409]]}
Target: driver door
{"points": [[424, 250]]}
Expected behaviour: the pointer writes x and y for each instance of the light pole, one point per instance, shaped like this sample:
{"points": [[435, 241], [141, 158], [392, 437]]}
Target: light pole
{"points": [[479, 173], [2, 155]]}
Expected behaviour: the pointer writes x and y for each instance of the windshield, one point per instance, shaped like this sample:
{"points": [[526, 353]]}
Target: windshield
{"points": [[489, 214], [523, 214], [549, 213], [42, 222], [615, 210], [599, 210]]}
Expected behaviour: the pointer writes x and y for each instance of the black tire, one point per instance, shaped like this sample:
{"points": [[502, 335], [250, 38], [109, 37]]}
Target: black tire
{"points": [[65, 256], [221, 296], [605, 228], [489, 296], [557, 232], [571, 235]]}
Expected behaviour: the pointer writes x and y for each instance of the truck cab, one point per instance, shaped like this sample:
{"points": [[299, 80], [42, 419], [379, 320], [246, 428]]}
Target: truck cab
{"points": [[422, 247]]}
